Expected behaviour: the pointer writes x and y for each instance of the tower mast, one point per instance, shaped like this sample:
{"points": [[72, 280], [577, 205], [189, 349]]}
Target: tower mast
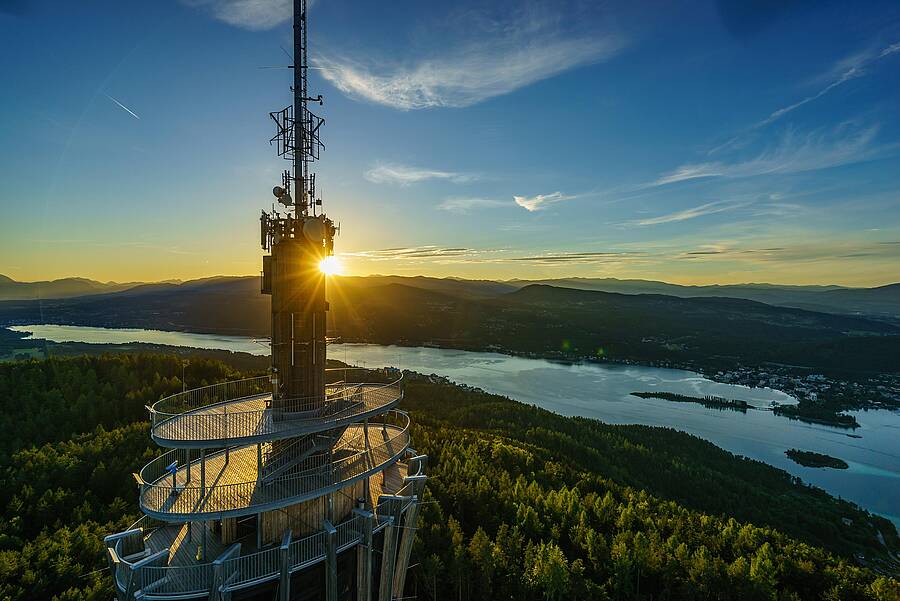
{"points": [[267, 478], [298, 242], [302, 153]]}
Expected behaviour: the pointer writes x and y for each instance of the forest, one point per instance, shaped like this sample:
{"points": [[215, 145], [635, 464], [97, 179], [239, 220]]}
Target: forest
{"points": [[521, 503]]}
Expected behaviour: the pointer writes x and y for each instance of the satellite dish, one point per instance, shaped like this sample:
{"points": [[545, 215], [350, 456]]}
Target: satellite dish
{"points": [[286, 199], [314, 230], [278, 191]]}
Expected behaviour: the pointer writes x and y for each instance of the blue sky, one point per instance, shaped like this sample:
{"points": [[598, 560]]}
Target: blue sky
{"points": [[690, 142]]}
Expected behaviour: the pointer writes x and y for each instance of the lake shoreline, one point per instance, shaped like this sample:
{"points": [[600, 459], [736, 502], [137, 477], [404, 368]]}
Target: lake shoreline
{"points": [[602, 390]]}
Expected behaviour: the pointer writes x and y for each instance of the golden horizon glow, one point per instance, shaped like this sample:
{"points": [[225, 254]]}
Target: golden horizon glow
{"points": [[331, 266]]}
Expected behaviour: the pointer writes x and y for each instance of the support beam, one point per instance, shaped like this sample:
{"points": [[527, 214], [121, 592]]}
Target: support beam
{"points": [[259, 532], [284, 580], [331, 592], [364, 556], [393, 505], [409, 533], [203, 472], [258, 461]]}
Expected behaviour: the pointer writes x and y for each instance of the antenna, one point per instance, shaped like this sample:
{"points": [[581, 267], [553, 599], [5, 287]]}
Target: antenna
{"points": [[297, 128]]}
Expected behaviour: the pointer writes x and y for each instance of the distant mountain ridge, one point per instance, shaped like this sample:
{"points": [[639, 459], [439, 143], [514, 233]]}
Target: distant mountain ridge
{"points": [[11, 289], [881, 302], [535, 318]]}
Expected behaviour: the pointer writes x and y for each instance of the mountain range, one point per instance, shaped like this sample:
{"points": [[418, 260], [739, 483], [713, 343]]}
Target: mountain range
{"points": [[880, 302], [485, 315], [11, 289]]}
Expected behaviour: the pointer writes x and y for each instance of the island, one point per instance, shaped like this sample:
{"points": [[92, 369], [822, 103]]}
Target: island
{"points": [[811, 459], [711, 402], [814, 414]]}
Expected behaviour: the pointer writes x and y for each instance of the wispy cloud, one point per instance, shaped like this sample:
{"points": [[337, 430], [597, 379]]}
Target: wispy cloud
{"points": [[404, 175], [247, 14], [467, 205], [483, 64], [558, 258], [409, 252], [843, 71], [794, 153], [541, 201], [471, 256], [124, 108], [710, 208], [748, 255], [848, 69], [802, 251]]}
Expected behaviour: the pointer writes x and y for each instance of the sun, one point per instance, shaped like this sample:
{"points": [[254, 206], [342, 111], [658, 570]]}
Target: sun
{"points": [[331, 266]]}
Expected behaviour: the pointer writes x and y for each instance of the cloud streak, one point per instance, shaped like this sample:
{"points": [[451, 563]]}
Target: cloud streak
{"points": [[464, 206], [540, 201], [404, 175], [710, 208], [843, 71], [748, 254], [123, 107], [794, 153], [847, 70], [581, 258], [416, 254], [528, 49], [254, 15], [409, 252]]}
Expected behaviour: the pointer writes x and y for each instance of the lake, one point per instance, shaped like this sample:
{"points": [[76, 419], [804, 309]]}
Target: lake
{"points": [[603, 392]]}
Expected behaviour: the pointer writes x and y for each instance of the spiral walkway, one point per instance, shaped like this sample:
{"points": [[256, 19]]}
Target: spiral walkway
{"points": [[323, 475], [230, 413], [232, 484]]}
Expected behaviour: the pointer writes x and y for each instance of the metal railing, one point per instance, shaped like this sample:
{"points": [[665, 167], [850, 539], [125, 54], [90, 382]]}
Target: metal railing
{"points": [[250, 569], [160, 498], [203, 414], [182, 581], [197, 398], [175, 580]]}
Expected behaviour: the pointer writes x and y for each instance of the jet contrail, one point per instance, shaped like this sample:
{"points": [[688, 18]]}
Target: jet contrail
{"points": [[124, 108]]}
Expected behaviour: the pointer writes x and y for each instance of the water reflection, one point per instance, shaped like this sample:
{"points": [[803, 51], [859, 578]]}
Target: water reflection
{"points": [[603, 392]]}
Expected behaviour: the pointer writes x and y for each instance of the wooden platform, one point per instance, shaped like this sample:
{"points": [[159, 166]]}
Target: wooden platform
{"points": [[184, 541], [231, 484]]}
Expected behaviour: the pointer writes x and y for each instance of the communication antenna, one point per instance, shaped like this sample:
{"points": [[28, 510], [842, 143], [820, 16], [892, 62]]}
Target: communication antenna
{"points": [[297, 128]]}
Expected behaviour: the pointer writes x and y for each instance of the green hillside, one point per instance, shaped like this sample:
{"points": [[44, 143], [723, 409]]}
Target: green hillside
{"points": [[522, 504]]}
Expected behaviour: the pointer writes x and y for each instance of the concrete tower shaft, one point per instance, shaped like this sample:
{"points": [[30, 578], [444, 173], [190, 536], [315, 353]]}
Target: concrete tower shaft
{"points": [[297, 286]]}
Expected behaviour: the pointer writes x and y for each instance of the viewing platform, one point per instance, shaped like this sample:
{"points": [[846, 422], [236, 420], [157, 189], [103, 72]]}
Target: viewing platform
{"points": [[185, 485], [241, 412], [156, 560]]}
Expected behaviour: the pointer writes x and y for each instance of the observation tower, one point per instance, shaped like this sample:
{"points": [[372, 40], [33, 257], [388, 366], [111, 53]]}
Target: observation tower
{"points": [[300, 484]]}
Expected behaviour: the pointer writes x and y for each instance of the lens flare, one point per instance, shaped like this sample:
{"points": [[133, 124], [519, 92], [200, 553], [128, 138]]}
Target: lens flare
{"points": [[331, 266]]}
